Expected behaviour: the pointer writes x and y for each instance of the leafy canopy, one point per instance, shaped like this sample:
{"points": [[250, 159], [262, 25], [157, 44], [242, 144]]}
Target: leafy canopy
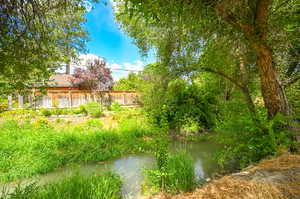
{"points": [[36, 37]]}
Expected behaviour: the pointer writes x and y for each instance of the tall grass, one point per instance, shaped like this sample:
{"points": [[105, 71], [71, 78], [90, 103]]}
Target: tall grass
{"points": [[106, 186], [29, 148], [174, 173], [181, 168]]}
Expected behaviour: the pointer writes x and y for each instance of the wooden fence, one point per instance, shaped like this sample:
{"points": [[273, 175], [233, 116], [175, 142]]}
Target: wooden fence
{"points": [[63, 98]]}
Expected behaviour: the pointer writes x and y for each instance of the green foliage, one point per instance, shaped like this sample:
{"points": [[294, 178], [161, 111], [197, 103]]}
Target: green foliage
{"points": [[106, 186], [174, 173], [48, 34], [93, 122], [94, 109], [188, 102], [127, 84], [180, 105], [115, 107], [19, 113], [3, 104], [41, 122], [80, 110], [46, 112], [244, 143], [59, 120], [29, 148], [293, 94], [200, 35], [61, 111]]}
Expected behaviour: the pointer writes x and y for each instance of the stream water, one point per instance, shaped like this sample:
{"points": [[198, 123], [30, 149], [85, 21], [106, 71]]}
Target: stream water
{"points": [[130, 167]]}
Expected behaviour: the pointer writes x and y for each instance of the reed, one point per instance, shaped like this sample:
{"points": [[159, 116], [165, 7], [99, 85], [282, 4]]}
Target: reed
{"points": [[106, 186]]}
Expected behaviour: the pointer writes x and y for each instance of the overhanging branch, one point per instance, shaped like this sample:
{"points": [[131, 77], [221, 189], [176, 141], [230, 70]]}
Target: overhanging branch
{"points": [[235, 82], [291, 82]]}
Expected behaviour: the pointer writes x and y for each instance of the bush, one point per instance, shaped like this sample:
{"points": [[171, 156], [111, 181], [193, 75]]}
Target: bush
{"points": [[57, 111], [105, 186], [244, 143], [80, 110], [41, 122], [46, 112], [94, 109], [115, 107], [182, 103], [59, 120], [174, 173], [3, 105], [92, 122]]}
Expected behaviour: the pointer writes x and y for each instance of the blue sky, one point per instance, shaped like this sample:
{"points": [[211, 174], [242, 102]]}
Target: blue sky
{"points": [[109, 42]]}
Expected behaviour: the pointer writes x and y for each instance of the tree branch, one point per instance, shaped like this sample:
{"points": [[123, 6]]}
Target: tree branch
{"points": [[279, 6], [235, 82], [291, 82], [232, 20]]}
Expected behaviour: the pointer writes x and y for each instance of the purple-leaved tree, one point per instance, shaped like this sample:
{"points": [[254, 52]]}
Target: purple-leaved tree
{"points": [[95, 77]]}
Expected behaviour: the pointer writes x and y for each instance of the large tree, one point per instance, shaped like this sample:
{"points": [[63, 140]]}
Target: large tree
{"points": [[36, 37], [129, 83], [179, 30]]}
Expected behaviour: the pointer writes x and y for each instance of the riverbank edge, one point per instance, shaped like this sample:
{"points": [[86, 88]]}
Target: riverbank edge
{"points": [[275, 178]]}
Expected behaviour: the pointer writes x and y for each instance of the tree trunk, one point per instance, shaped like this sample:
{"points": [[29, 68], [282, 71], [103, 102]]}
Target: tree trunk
{"points": [[257, 34], [272, 90]]}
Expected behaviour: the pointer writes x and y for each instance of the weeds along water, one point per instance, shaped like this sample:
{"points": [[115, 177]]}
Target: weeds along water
{"points": [[175, 173], [37, 146], [105, 186]]}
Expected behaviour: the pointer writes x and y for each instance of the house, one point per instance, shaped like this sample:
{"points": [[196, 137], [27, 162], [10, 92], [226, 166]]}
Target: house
{"points": [[61, 93]]}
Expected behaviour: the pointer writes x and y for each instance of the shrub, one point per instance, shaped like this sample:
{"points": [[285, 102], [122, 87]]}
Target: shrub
{"points": [[244, 143], [59, 120], [57, 111], [94, 109], [92, 122], [41, 122], [3, 105], [105, 186], [46, 112], [115, 107], [179, 104], [80, 110], [174, 173]]}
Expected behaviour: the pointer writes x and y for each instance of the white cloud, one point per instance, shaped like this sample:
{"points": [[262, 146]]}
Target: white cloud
{"points": [[83, 61], [119, 70], [126, 68], [137, 65], [114, 66]]}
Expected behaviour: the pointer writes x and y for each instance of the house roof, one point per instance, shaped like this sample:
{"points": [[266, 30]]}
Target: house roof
{"points": [[60, 80]]}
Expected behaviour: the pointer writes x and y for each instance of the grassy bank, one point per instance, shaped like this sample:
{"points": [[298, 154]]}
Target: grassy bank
{"points": [[37, 146], [106, 186]]}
